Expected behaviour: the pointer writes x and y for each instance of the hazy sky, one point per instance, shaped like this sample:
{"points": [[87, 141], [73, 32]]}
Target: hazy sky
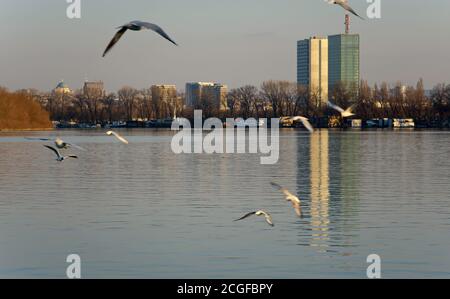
{"points": [[235, 42]]}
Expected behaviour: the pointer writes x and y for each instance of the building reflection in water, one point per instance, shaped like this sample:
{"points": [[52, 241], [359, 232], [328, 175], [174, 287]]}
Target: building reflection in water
{"points": [[328, 181], [320, 190]]}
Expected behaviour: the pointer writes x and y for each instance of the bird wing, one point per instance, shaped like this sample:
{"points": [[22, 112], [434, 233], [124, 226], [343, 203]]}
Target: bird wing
{"points": [[336, 107], [119, 137], [283, 190], [54, 150], [115, 40], [39, 139], [298, 208], [307, 124], [246, 216], [156, 29], [77, 146], [348, 8], [351, 108], [269, 219], [276, 186]]}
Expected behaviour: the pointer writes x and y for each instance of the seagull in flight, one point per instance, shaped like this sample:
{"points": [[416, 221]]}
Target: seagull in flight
{"points": [[344, 113], [112, 133], [296, 203], [344, 4], [259, 213], [305, 123], [59, 143], [136, 26], [60, 158]]}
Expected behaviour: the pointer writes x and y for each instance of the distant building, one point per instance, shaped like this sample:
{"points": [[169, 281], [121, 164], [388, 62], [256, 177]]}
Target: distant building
{"points": [[163, 93], [312, 66], [62, 88], [217, 94], [344, 62], [94, 89], [194, 93], [166, 99], [198, 92]]}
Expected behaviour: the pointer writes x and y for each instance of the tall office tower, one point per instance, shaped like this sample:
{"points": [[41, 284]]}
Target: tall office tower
{"points": [[344, 62], [312, 67], [198, 92]]}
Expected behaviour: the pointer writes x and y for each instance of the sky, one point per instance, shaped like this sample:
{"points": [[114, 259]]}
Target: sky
{"points": [[235, 42]]}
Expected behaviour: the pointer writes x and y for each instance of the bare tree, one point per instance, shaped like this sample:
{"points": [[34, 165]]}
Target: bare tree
{"points": [[109, 106], [127, 99], [93, 100], [440, 97], [277, 94], [242, 100]]}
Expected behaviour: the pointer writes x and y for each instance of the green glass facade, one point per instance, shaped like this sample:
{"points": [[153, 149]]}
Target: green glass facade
{"points": [[344, 61]]}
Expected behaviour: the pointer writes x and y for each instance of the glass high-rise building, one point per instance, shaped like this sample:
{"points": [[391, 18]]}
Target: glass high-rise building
{"points": [[344, 61], [312, 66]]}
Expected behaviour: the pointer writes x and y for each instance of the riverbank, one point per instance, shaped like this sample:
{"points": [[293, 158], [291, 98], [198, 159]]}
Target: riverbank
{"points": [[26, 130]]}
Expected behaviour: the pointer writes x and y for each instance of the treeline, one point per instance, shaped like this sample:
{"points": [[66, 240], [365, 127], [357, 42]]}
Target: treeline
{"points": [[271, 99], [20, 111], [97, 107], [279, 98]]}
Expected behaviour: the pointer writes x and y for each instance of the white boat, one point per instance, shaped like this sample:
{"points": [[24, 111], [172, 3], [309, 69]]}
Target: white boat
{"points": [[406, 123]]}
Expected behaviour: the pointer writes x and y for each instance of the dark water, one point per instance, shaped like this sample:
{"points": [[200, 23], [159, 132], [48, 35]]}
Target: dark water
{"points": [[140, 211]]}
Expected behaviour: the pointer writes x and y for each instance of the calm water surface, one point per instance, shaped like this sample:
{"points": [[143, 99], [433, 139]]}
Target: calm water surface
{"points": [[140, 211]]}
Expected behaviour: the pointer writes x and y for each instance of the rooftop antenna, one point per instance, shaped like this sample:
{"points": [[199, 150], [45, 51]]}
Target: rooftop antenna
{"points": [[347, 24]]}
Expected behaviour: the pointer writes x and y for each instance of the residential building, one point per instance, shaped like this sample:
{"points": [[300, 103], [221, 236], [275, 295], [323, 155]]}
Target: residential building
{"points": [[215, 93], [94, 89]]}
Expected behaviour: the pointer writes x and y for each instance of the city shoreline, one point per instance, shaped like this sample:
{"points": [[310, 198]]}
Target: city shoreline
{"points": [[27, 130]]}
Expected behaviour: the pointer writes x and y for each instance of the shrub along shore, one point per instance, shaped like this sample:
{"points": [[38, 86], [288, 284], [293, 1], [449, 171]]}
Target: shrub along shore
{"points": [[20, 112]]}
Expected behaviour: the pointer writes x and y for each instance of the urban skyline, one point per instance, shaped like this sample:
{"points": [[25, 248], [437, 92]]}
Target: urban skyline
{"points": [[247, 51], [173, 140]]}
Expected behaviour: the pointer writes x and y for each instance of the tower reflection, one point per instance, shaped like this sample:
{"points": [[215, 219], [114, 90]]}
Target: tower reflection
{"points": [[320, 190]]}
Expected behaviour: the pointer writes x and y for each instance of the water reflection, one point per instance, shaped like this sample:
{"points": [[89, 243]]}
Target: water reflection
{"points": [[320, 190], [135, 213]]}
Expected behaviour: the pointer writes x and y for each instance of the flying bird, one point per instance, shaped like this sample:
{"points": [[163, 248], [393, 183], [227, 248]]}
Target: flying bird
{"points": [[344, 113], [296, 203], [59, 143], [344, 4], [136, 26], [112, 133], [305, 123], [259, 213], [60, 158]]}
